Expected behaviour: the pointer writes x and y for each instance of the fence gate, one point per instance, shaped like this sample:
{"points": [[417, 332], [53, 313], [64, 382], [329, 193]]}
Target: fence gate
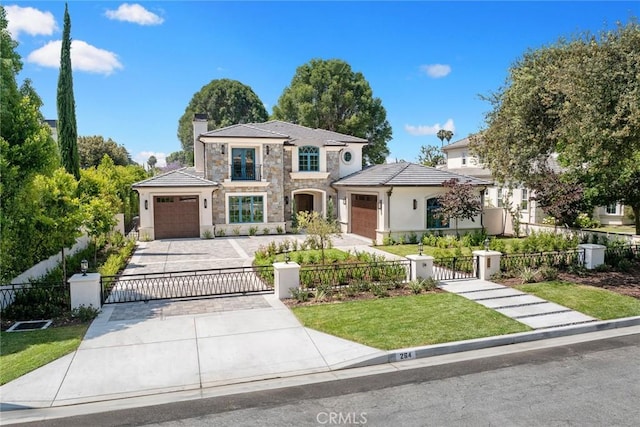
{"points": [[463, 267], [187, 284]]}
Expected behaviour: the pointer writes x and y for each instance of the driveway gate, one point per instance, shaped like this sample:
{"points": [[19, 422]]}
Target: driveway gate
{"points": [[187, 284], [462, 267]]}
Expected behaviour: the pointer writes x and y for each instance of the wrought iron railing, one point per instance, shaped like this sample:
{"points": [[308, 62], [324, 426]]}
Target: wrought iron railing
{"points": [[245, 172], [560, 260], [186, 284], [32, 294], [463, 267], [344, 274]]}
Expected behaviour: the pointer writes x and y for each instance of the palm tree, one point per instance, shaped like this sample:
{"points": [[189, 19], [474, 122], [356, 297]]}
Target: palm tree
{"points": [[444, 134]]}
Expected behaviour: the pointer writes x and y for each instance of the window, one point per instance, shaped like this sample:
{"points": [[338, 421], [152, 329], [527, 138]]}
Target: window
{"points": [[433, 219], [243, 167], [347, 156], [309, 159], [612, 209], [244, 209], [524, 204], [500, 197], [464, 159]]}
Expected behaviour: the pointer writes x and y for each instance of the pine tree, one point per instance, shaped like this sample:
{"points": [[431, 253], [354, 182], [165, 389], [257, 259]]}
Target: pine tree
{"points": [[67, 129]]}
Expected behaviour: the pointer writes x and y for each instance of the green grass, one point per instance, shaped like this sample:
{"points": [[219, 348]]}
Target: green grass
{"points": [[599, 303], [408, 321], [404, 250], [626, 229], [22, 352]]}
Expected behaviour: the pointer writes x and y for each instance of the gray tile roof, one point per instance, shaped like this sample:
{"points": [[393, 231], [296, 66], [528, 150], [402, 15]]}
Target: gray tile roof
{"points": [[404, 174], [481, 173], [185, 177], [279, 129], [462, 143]]}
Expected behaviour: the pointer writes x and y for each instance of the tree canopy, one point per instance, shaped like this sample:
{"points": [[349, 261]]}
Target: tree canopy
{"points": [[327, 94], [430, 155], [580, 99], [461, 201], [226, 102], [91, 150]]}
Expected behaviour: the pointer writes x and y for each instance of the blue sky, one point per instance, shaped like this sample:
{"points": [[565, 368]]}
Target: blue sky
{"points": [[137, 65]]}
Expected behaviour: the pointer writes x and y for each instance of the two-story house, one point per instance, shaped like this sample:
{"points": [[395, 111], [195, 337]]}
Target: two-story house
{"points": [[459, 160], [247, 178]]}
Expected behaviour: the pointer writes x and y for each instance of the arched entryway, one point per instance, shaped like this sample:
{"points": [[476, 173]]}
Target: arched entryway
{"points": [[304, 202]]}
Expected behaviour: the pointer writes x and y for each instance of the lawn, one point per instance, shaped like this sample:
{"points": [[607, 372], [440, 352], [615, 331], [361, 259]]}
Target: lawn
{"points": [[599, 303], [22, 352], [408, 321], [625, 229]]}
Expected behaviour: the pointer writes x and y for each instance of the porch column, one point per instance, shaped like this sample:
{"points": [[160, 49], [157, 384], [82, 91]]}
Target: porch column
{"points": [[86, 291], [593, 255], [421, 266], [286, 276], [488, 263]]}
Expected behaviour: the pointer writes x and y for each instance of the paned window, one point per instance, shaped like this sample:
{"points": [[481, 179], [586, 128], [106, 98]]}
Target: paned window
{"points": [[243, 209], [309, 159], [612, 209], [524, 204], [433, 217]]}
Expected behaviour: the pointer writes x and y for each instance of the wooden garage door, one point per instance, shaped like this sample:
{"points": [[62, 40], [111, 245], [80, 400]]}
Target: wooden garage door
{"points": [[364, 215], [176, 216]]}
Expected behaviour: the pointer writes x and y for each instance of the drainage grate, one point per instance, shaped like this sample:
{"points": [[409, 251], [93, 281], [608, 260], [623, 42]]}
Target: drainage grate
{"points": [[30, 325]]}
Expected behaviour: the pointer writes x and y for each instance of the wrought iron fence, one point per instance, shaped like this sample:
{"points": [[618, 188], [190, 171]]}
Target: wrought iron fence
{"points": [[463, 267], [32, 297], [186, 284], [614, 254], [560, 260], [343, 274]]}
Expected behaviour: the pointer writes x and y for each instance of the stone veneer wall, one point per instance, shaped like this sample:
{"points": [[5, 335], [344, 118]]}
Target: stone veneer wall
{"points": [[272, 171]]}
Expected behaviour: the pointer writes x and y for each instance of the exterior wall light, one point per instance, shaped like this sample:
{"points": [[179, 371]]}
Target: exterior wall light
{"points": [[344, 200], [205, 203], [146, 205], [415, 204], [267, 150], [380, 204], [286, 200]]}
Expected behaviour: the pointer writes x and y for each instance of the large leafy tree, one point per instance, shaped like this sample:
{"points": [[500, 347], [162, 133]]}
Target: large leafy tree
{"points": [[461, 201], [559, 196], [328, 94], [580, 99], [67, 128], [226, 102], [430, 155], [26, 150], [91, 150]]}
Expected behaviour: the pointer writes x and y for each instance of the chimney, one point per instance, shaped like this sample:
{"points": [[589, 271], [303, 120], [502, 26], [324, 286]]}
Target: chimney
{"points": [[200, 126]]}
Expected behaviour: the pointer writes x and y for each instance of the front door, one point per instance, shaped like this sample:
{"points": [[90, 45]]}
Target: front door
{"points": [[304, 202]]}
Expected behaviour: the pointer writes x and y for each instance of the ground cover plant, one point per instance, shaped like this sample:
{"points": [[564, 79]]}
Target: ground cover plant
{"points": [[407, 321]]}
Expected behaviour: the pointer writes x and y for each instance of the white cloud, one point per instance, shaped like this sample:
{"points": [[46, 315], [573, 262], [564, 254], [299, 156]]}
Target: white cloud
{"points": [[436, 70], [29, 21], [429, 130], [134, 13], [143, 156], [84, 57]]}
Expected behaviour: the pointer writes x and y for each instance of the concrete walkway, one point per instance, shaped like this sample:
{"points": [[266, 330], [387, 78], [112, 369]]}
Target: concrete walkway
{"points": [[525, 308], [138, 349]]}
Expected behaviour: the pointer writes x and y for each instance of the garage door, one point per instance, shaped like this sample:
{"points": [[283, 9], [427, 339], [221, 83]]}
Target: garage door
{"points": [[364, 216], [176, 216]]}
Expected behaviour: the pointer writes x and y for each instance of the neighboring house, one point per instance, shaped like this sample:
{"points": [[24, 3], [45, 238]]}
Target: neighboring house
{"points": [[459, 160], [397, 199], [247, 178]]}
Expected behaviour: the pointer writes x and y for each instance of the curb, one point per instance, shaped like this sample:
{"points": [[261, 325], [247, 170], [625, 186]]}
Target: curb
{"points": [[412, 353]]}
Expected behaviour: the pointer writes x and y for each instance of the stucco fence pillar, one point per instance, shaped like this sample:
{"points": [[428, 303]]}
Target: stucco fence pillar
{"points": [[286, 276], [421, 266], [86, 291], [488, 263], [593, 255]]}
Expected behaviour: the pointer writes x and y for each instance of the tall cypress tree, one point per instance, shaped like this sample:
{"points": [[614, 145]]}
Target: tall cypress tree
{"points": [[67, 129]]}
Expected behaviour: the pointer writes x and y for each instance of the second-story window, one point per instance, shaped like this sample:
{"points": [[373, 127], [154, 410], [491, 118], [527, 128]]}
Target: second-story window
{"points": [[309, 159], [464, 159]]}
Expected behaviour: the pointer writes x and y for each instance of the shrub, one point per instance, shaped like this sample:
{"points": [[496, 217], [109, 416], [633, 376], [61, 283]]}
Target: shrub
{"points": [[300, 295], [528, 275], [413, 238], [253, 230], [415, 286], [429, 284], [38, 302], [624, 265], [279, 229], [379, 290], [236, 231], [266, 230], [221, 232], [549, 273], [207, 235], [85, 314]]}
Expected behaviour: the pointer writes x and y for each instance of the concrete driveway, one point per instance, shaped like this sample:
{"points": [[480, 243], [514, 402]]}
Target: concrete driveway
{"points": [[163, 256]]}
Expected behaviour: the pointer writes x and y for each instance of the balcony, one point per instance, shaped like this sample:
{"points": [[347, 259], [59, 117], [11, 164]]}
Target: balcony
{"points": [[245, 172]]}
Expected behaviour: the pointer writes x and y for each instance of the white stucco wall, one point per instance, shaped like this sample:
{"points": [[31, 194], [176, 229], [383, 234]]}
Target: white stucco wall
{"points": [[353, 166], [146, 228]]}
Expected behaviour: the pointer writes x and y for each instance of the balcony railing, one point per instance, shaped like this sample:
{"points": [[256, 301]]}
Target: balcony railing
{"points": [[245, 172]]}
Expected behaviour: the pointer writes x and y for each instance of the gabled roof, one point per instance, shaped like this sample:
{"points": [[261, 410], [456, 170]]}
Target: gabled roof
{"points": [[404, 174], [283, 130], [462, 143], [185, 177]]}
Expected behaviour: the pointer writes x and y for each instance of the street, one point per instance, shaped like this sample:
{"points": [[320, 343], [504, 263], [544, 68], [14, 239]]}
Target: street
{"points": [[594, 383]]}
